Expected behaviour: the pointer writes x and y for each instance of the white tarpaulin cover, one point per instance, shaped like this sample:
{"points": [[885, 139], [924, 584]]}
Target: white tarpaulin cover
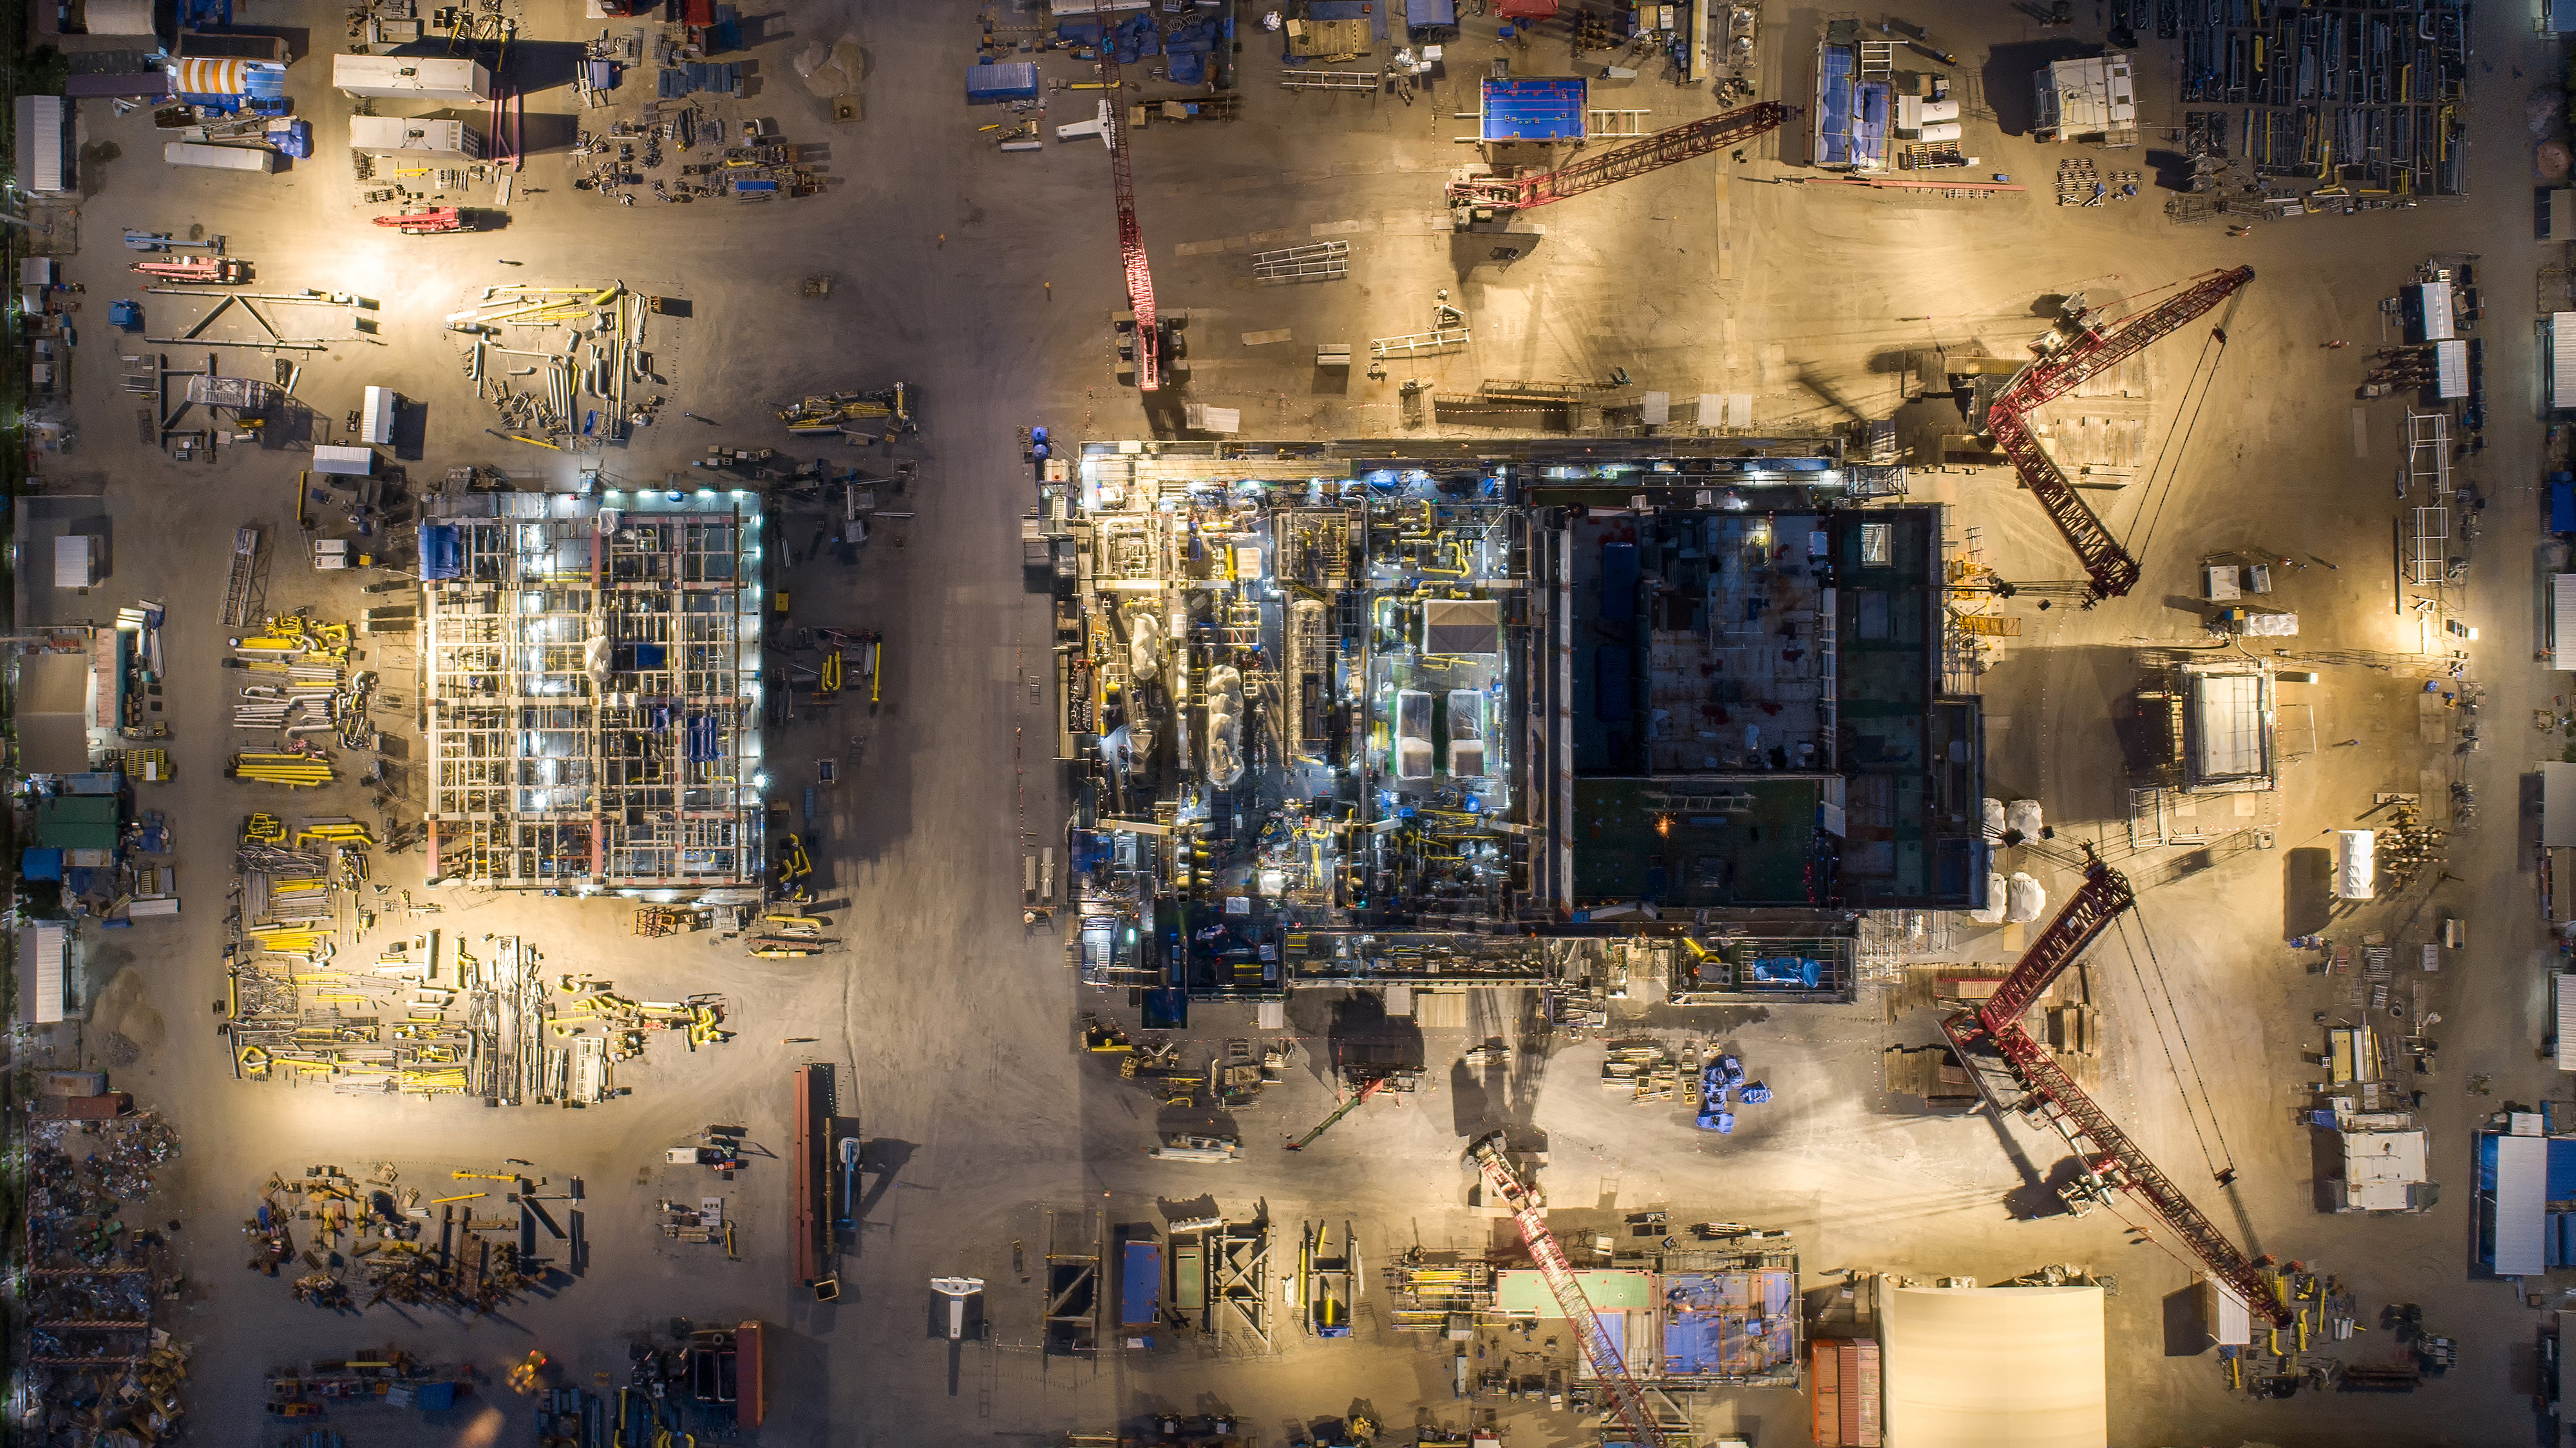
{"points": [[1994, 810], [2024, 898], [2356, 864], [1993, 914], [1995, 1367], [2024, 815]]}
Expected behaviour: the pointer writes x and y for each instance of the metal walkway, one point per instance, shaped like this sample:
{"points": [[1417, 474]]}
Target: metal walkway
{"points": [[1328, 80], [1420, 344], [1322, 262]]}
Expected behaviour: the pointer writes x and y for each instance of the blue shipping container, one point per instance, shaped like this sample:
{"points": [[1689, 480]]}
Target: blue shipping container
{"points": [[1140, 1294], [1016, 81]]}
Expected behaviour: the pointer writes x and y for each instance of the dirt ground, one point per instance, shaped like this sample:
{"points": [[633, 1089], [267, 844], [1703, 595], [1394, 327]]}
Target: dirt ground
{"points": [[984, 278]]}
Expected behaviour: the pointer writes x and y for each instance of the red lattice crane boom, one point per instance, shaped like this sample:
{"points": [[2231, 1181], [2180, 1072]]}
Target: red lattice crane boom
{"points": [[2093, 350], [2120, 1162], [1131, 237], [1663, 148], [2086, 914], [1627, 1400]]}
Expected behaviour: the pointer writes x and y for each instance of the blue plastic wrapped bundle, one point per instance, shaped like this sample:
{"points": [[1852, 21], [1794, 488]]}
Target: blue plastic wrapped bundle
{"points": [[1187, 67]]}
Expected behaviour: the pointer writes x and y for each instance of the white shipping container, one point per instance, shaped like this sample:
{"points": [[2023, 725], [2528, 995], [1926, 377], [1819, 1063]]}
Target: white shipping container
{"points": [[2566, 1003], [342, 460], [45, 957], [117, 17], [411, 77], [45, 144], [2451, 369], [376, 417], [2230, 1323], [220, 158], [2562, 620], [435, 140], [1203, 418], [75, 561], [2435, 299], [2562, 360]]}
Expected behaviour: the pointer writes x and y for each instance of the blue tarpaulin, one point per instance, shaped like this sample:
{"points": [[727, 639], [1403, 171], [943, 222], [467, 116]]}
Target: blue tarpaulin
{"points": [[1834, 104], [702, 740], [2562, 503], [2562, 1170], [1784, 970], [1017, 81], [440, 554], [39, 864], [1425, 14], [1532, 108]]}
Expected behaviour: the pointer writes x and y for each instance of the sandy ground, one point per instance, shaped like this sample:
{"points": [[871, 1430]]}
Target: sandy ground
{"points": [[953, 1025]]}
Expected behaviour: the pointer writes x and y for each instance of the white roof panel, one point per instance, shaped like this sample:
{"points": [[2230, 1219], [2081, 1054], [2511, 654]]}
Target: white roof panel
{"points": [[2521, 1205], [1996, 1367]]}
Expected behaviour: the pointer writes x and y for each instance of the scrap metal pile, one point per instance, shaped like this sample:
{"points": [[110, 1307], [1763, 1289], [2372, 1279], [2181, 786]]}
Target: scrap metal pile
{"points": [[99, 1374], [362, 1242], [430, 1016], [760, 168], [849, 414], [301, 685], [571, 343]]}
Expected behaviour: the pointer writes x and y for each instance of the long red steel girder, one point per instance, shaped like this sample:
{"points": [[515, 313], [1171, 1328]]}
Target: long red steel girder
{"points": [[1663, 148], [2108, 565], [2099, 901]]}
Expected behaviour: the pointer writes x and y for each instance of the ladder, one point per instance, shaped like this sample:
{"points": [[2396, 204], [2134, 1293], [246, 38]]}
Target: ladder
{"points": [[1877, 59], [1328, 80], [1322, 262], [1420, 344], [1601, 125], [237, 588]]}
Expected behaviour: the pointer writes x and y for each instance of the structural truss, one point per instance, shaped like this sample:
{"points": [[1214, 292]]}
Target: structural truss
{"points": [[591, 691]]}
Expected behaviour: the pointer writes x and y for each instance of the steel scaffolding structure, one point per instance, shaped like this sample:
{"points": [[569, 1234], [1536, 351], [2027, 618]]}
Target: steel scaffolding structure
{"points": [[591, 691]]}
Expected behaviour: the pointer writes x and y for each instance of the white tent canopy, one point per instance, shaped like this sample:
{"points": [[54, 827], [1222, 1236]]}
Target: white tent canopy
{"points": [[1995, 1367]]}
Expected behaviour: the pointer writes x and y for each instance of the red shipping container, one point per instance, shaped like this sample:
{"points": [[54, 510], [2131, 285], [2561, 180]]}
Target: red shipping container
{"points": [[1824, 1368], [1859, 1396], [90, 1108]]}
